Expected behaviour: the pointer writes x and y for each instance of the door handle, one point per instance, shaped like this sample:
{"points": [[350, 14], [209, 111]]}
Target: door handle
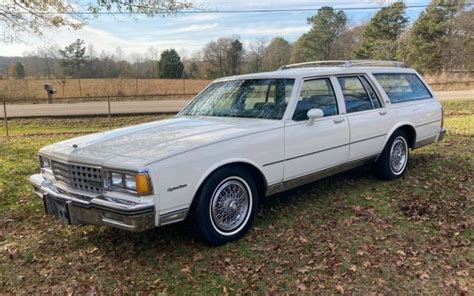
{"points": [[339, 120], [383, 113]]}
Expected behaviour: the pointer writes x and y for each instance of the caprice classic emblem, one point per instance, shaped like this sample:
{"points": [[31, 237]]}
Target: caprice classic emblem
{"points": [[180, 186]]}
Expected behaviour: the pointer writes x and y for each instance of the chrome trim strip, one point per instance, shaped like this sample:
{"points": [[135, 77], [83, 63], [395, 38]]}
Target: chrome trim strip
{"points": [[323, 150], [311, 177], [423, 124], [172, 217], [371, 138]]}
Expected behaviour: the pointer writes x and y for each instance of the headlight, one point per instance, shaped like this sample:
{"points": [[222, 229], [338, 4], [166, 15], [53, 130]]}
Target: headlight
{"points": [[138, 183], [45, 163]]}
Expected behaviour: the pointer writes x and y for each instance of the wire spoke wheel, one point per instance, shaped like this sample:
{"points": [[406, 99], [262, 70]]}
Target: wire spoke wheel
{"points": [[230, 205], [398, 155]]}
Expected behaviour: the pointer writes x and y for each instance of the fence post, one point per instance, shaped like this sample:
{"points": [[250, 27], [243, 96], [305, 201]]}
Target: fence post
{"points": [[5, 116], [110, 117], [80, 87]]}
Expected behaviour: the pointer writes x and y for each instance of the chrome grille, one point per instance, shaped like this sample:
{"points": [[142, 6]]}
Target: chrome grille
{"points": [[78, 177]]}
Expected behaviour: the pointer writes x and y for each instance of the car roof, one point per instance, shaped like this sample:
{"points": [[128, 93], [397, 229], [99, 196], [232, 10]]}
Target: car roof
{"points": [[306, 72]]}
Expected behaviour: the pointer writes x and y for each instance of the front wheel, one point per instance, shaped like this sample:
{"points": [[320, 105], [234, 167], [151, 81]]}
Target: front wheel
{"points": [[393, 161], [225, 206]]}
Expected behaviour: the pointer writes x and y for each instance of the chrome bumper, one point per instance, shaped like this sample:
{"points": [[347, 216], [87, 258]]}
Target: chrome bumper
{"points": [[441, 134], [100, 210]]}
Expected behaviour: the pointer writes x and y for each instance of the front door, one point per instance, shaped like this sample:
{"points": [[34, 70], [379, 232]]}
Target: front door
{"points": [[311, 148]]}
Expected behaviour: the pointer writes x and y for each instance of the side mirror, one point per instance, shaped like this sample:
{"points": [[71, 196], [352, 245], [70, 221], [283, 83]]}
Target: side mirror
{"points": [[313, 114]]}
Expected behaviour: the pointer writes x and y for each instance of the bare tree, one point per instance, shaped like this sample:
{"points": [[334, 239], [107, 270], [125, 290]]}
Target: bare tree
{"points": [[223, 57], [255, 55], [36, 16], [277, 54]]}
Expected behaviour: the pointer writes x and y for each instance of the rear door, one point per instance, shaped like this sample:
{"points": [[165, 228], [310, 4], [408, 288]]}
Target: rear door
{"points": [[368, 121], [310, 148]]}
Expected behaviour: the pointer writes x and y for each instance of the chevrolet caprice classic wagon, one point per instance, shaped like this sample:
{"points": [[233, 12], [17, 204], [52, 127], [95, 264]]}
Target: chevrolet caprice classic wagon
{"points": [[241, 139]]}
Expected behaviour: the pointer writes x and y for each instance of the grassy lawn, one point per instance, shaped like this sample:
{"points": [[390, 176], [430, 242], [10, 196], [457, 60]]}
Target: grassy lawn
{"points": [[348, 234]]}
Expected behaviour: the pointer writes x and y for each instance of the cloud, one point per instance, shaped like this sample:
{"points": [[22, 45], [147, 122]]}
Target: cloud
{"points": [[276, 30], [196, 28]]}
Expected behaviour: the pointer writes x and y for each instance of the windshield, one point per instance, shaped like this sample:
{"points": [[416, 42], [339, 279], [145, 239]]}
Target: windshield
{"points": [[251, 98]]}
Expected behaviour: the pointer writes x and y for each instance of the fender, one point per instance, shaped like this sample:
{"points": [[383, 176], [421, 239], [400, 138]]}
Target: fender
{"points": [[223, 163]]}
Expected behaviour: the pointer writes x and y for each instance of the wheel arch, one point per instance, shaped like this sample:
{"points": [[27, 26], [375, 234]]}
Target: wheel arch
{"points": [[253, 168], [408, 129]]}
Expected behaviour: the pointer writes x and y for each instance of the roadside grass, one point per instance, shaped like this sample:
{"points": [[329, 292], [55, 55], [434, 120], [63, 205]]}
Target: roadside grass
{"points": [[38, 126], [350, 233]]}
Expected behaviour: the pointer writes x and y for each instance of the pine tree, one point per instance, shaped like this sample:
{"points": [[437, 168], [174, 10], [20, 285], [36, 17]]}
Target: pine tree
{"points": [[318, 44], [429, 36], [381, 34], [170, 65]]}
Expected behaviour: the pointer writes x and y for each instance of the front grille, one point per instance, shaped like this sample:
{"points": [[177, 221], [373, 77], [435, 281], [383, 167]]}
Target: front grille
{"points": [[78, 177]]}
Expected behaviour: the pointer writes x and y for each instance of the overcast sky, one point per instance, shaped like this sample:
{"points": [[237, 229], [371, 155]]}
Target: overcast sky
{"points": [[190, 32]]}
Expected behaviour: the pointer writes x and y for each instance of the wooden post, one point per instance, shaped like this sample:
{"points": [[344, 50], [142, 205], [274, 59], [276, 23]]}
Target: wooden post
{"points": [[80, 87], [5, 116], [27, 89], [184, 85], [110, 116]]}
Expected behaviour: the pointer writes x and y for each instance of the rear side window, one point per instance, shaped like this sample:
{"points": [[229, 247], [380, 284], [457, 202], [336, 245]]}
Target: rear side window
{"points": [[403, 87], [317, 93], [355, 95]]}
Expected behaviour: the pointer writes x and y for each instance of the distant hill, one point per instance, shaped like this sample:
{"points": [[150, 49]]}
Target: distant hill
{"points": [[34, 65], [6, 61]]}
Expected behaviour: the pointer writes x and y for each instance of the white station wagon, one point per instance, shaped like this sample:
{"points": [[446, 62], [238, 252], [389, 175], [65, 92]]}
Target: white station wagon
{"points": [[241, 139]]}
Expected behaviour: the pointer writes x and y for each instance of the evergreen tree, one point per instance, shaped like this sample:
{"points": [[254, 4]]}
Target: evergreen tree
{"points": [[429, 36], [381, 34], [235, 57], [170, 65], [318, 44], [73, 57], [19, 71]]}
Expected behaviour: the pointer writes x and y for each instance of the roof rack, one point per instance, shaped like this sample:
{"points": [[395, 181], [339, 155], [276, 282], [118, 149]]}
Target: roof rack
{"points": [[345, 63]]}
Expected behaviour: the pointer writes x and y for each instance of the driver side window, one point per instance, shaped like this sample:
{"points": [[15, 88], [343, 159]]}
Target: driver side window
{"points": [[316, 93]]}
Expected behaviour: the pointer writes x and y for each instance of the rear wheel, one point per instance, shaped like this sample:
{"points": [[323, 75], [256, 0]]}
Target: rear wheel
{"points": [[225, 206], [393, 161]]}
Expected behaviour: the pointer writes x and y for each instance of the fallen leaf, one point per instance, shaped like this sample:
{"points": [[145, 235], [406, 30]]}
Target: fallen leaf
{"points": [[302, 287]]}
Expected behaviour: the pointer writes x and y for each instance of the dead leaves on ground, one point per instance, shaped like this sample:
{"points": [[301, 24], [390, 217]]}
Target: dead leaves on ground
{"points": [[344, 235]]}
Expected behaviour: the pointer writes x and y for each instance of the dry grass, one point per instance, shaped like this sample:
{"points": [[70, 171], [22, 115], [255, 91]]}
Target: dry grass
{"points": [[25, 89], [450, 82]]}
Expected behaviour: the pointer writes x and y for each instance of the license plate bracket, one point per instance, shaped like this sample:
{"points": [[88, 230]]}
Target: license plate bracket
{"points": [[57, 208]]}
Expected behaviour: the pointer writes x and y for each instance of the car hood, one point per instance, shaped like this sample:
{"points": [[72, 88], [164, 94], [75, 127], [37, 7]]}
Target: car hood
{"points": [[145, 143]]}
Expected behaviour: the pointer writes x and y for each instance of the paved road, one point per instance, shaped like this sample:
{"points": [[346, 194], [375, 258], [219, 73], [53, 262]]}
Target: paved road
{"points": [[94, 108], [137, 107], [456, 94]]}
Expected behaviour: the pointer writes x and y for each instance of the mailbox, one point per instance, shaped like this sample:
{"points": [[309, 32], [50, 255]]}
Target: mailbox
{"points": [[50, 90]]}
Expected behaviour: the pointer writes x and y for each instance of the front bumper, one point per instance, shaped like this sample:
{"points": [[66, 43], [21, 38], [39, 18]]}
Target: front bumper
{"points": [[101, 210]]}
